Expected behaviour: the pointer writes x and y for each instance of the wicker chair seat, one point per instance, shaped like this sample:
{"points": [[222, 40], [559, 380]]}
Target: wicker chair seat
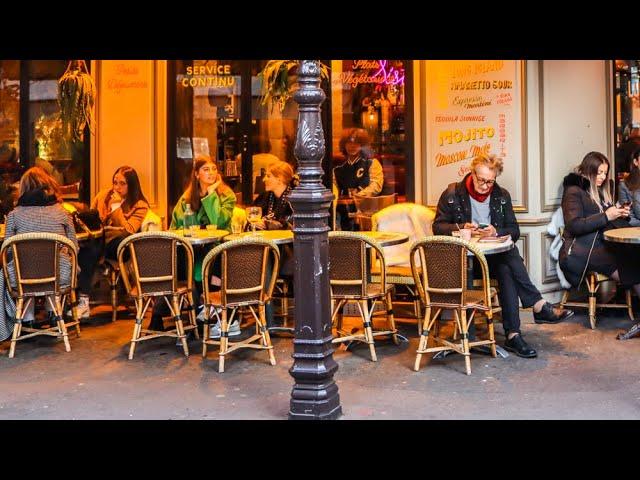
{"points": [[475, 298], [215, 299]]}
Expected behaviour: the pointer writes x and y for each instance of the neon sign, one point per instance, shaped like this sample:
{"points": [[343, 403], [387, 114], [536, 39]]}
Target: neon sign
{"points": [[390, 76]]}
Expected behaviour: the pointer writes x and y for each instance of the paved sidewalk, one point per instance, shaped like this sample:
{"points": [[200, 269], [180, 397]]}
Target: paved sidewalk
{"points": [[579, 374]]}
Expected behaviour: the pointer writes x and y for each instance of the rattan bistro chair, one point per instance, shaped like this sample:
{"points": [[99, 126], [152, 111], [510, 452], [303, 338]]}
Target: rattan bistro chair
{"points": [[36, 262], [350, 275], [245, 264], [154, 276], [441, 279]]}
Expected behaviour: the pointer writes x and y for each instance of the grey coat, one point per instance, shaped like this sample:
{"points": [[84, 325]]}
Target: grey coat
{"points": [[625, 195], [49, 219]]}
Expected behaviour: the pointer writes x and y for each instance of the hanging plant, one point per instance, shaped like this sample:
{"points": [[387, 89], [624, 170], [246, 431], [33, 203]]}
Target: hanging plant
{"points": [[76, 97], [276, 76]]}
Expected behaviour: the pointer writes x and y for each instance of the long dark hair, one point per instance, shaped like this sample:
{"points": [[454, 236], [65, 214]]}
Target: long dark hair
{"points": [[134, 190], [633, 180], [192, 194], [589, 169]]}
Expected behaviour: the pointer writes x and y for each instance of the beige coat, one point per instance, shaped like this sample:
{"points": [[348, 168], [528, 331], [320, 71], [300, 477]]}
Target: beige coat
{"points": [[122, 223]]}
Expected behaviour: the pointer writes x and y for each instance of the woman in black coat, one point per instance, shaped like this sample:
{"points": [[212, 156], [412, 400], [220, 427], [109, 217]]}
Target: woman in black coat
{"points": [[589, 210]]}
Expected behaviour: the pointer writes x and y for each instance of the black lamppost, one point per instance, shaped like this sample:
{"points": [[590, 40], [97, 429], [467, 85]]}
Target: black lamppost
{"points": [[315, 394]]}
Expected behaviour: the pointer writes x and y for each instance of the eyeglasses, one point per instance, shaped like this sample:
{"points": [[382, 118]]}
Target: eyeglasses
{"points": [[482, 181], [119, 183]]}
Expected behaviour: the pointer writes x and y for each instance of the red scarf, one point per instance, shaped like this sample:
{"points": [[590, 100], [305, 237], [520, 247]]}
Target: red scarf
{"points": [[479, 197]]}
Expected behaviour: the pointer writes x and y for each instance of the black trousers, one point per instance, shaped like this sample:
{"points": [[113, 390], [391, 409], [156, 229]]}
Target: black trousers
{"points": [[513, 283], [88, 257]]}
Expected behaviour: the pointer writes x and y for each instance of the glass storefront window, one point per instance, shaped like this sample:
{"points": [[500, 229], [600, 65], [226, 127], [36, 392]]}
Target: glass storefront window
{"points": [[370, 95], [31, 130]]}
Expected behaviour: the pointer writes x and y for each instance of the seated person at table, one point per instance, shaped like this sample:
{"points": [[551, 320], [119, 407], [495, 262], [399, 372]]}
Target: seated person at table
{"points": [[588, 211], [122, 209], [277, 214], [212, 201], [39, 209], [629, 189], [478, 199], [360, 173]]}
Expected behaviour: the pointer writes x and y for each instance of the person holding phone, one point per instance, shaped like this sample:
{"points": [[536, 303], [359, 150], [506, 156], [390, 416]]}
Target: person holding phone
{"points": [[588, 210], [480, 204], [629, 190]]}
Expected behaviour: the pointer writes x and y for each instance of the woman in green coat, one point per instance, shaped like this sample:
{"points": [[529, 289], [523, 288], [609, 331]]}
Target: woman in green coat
{"points": [[212, 201]]}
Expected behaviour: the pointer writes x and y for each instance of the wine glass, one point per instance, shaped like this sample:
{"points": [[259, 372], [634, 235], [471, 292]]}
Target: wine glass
{"points": [[254, 215]]}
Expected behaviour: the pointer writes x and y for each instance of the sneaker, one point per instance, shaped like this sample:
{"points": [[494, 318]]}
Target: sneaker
{"points": [[551, 314], [234, 329], [518, 346], [83, 309]]}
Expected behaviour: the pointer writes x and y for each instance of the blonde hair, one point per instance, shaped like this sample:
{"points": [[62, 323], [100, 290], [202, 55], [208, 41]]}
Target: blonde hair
{"points": [[492, 162], [37, 178], [282, 171]]}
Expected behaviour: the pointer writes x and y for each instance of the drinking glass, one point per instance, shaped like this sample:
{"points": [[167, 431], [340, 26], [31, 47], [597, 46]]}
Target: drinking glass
{"points": [[254, 215]]}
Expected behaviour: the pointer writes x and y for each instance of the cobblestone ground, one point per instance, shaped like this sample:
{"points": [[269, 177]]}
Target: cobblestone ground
{"points": [[579, 374]]}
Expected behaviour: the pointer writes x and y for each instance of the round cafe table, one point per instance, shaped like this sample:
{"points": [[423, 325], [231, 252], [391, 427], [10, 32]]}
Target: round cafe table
{"points": [[279, 237], [623, 235], [629, 235], [201, 236]]}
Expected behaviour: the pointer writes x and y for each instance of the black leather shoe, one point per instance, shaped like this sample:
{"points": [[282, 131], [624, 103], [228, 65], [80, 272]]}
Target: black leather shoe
{"points": [[551, 314], [518, 346]]}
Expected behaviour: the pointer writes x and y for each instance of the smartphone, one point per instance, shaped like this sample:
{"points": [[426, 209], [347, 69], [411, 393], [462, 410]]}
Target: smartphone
{"points": [[626, 204], [483, 225]]}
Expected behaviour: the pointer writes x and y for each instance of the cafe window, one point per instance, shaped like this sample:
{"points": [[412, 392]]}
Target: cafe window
{"points": [[31, 130], [374, 95], [215, 110]]}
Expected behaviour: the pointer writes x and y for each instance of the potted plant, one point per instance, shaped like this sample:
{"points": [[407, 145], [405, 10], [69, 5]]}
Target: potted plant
{"points": [[278, 81], [76, 97]]}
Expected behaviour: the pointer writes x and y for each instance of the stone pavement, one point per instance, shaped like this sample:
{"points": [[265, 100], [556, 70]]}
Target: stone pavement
{"points": [[579, 374]]}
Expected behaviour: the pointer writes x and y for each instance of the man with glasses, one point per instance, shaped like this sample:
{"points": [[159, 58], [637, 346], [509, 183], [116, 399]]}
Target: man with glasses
{"points": [[480, 204]]}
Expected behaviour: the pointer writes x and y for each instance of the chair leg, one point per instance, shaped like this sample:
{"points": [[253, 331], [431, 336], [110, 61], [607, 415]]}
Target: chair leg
{"points": [[465, 340], [113, 284], [266, 339], [492, 337], [368, 331], [179, 326], [73, 298], [565, 298], [417, 308], [591, 281], [16, 327], [391, 319], [224, 332], [192, 314], [62, 328], [136, 328], [424, 337], [629, 309], [205, 334]]}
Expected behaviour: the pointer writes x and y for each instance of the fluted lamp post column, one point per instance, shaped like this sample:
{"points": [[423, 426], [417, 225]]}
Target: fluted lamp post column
{"points": [[315, 394]]}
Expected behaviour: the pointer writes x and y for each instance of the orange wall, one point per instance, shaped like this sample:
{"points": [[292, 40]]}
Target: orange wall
{"points": [[127, 126]]}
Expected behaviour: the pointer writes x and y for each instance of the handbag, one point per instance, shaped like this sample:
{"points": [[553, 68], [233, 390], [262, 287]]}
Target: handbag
{"points": [[570, 259]]}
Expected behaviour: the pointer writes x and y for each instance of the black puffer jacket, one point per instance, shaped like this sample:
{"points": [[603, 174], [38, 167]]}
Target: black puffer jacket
{"points": [[454, 207], [582, 221]]}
